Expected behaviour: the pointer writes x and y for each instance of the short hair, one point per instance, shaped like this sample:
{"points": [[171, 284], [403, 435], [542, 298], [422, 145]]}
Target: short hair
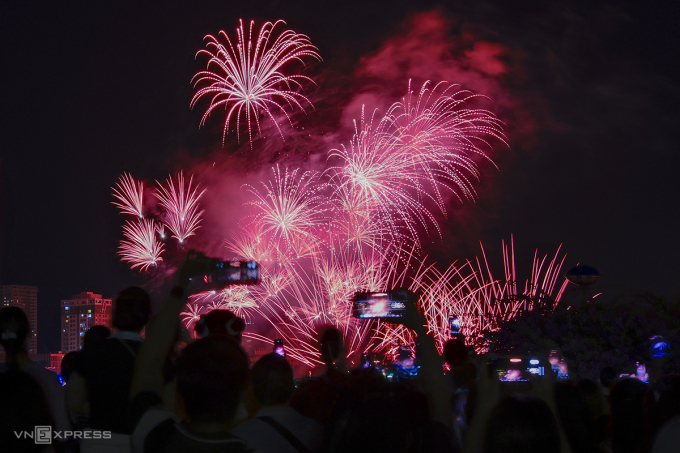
{"points": [[455, 352], [521, 424], [211, 376], [95, 335], [221, 322], [68, 364], [273, 381], [14, 329], [330, 344], [132, 309], [608, 376]]}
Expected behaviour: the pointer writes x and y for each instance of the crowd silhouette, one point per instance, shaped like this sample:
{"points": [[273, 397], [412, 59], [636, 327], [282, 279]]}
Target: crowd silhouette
{"points": [[166, 392]]}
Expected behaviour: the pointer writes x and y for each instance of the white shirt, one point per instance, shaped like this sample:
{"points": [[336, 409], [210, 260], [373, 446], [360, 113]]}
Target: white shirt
{"points": [[263, 438]]}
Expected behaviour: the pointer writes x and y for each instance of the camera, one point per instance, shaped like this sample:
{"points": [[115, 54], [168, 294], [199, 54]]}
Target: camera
{"points": [[219, 274], [278, 347], [391, 304], [516, 368], [454, 325]]}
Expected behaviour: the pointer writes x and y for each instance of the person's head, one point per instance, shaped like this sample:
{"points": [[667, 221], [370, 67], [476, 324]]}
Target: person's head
{"points": [[273, 382], [522, 424], [220, 322], [575, 418], [14, 330], [95, 335], [632, 406], [669, 397], [455, 352], [132, 310], [330, 344], [67, 364], [24, 407], [211, 377], [608, 376]]}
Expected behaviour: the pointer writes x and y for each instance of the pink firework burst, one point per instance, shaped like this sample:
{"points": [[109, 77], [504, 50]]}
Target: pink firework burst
{"points": [[289, 209], [130, 195], [247, 79], [140, 248], [423, 145], [480, 301], [180, 202], [192, 313]]}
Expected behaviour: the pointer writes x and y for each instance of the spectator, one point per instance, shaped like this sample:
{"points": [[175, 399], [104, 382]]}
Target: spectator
{"points": [[14, 329], [332, 350], [94, 336], [316, 397], [101, 384], [668, 438], [222, 322], [455, 352], [522, 424], [598, 410], [608, 377], [211, 377], [574, 417], [76, 388], [23, 408], [277, 427], [68, 365], [632, 407]]}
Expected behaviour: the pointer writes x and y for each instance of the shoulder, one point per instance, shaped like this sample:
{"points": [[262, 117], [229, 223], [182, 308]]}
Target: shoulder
{"points": [[41, 374], [668, 438], [149, 421]]}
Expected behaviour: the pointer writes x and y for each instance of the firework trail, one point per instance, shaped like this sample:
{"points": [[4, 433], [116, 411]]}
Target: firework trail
{"points": [[140, 248], [477, 299], [191, 314], [289, 209], [355, 227], [426, 144], [247, 78], [129, 194], [182, 216]]}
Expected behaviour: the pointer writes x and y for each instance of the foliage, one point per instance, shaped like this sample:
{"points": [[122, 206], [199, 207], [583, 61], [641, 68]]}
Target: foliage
{"points": [[595, 333]]}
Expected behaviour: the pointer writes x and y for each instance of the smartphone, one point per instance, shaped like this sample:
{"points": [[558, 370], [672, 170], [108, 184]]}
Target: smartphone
{"points": [[516, 368], [278, 347], [659, 348], [558, 364], [454, 325], [224, 273], [379, 305]]}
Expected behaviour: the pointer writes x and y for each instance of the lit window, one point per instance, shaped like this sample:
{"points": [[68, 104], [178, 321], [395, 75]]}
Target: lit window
{"points": [[65, 308]]}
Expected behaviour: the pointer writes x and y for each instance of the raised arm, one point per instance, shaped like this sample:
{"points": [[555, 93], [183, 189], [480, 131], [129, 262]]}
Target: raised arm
{"points": [[433, 379], [162, 330]]}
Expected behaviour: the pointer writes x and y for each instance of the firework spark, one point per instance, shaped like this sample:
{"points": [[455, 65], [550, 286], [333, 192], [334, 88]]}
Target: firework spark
{"points": [[289, 209], [424, 145], [140, 248], [129, 194], [180, 202], [247, 79], [476, 298]]}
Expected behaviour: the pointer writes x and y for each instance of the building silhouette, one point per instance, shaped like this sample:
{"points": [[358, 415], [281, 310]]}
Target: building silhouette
{"points": [[78, 314]]}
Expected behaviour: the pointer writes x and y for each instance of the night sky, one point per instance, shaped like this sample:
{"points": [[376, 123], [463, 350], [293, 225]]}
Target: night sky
{"points": [[589, 95]]}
